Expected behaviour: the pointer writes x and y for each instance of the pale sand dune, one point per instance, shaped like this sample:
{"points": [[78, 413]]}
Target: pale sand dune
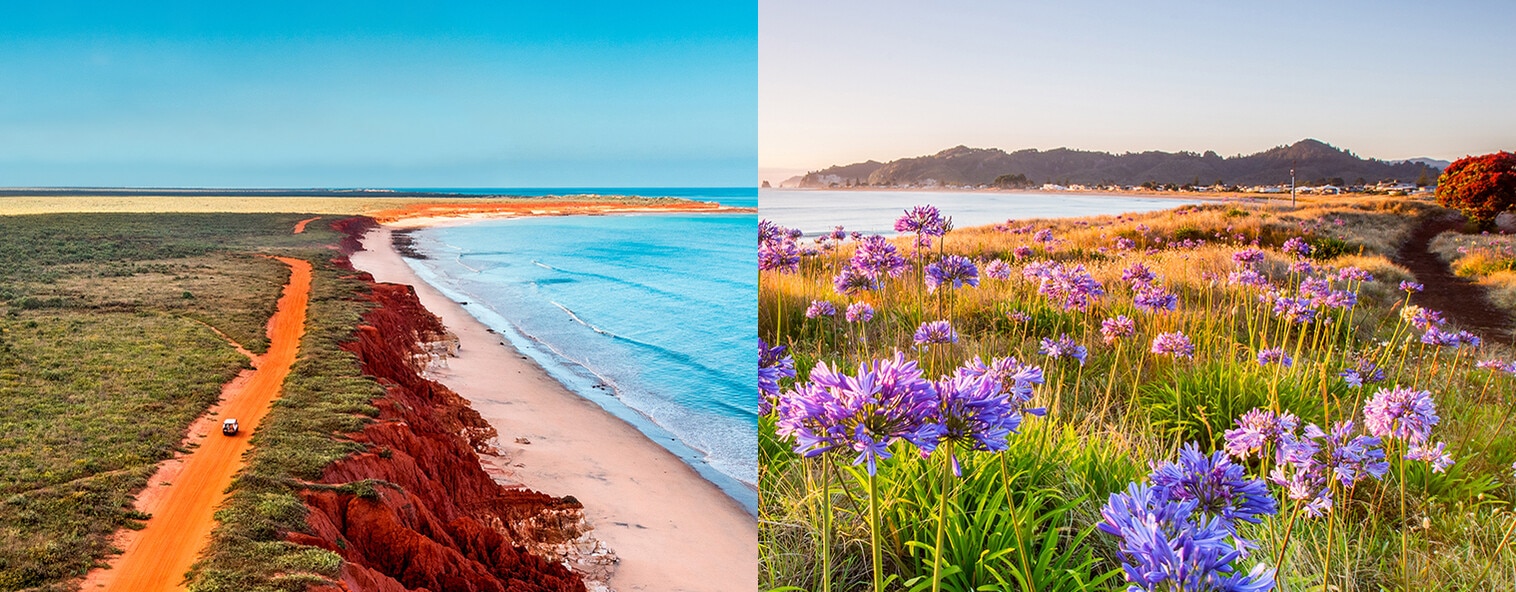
{"points": [[672, 529]]}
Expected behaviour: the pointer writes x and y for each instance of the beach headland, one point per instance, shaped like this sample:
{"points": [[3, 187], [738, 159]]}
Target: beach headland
{"points": [[670, 528]]}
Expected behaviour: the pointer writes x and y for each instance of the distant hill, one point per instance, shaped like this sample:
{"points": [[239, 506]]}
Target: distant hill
{"points": [[1315, 163]]}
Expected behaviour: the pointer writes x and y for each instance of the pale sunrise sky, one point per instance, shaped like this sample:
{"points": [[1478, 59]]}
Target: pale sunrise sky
{"points": [[847, 81]]}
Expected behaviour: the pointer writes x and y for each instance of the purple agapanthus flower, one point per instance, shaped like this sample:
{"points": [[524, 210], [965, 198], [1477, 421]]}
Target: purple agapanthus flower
{"points": [[1295, 310], [1154, 298], [1248, 277], [780, 255], [1257, 429], [1362, 372], [1173, 344], [820, 308], [850, 281], [1044, 236], [1275, 355], [934, 332], [1167, 545], [1298, 247], [1433, 455], [1021, 253], [981, 405], [1411, 287], [1307, 464], [1071, 286], [997, 269], [1064, 346], [1113, 329], [922, 220], [1137, 273], [1302, 267], [1354, 274], [1219, 487], [838, 234], [952, 271], [1401, 413], [1440, 338], [877, 258], [773, 366], [1422, 318], [1248, 257], [888, 400], [859, 312]]}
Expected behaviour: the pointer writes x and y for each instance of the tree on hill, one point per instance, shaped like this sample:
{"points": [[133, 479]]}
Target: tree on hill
{"points": [[1480, 186], [1016, 181]]}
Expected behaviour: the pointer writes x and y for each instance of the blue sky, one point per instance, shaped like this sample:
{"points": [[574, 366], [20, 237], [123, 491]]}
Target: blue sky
{"points": [[850, 80], [378, 94]]}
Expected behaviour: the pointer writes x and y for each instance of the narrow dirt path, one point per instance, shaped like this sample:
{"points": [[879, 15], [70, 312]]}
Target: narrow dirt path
{"points": [[157, 557], [300, 226], [1463, 302]]}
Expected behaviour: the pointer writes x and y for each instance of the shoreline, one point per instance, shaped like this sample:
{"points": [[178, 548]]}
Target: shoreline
{"points": [[671, 527]]}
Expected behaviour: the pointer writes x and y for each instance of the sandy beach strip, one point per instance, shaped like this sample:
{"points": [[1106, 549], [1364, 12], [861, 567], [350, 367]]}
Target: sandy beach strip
{"points": [[672, 529]]}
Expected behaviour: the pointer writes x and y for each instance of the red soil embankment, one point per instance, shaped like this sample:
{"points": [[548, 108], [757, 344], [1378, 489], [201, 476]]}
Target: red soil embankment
{"points": [[157, 557], [423, 514]]}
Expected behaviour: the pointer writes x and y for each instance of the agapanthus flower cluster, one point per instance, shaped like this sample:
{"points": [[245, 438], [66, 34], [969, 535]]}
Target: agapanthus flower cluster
{"points": [[1137, 273], [1167, 544], [777, 250], [887, 400], [1275, 355], [953, 271], [1421, 318], [1306, 466], [1219, 487], [1248, 257], [851, 281], [922, 220], [773, 366], [1410, 287], [1363, 371], [1298, 247], [935, 332], [1174, 344], [877, 258], [981, 405], [1154, 298], [1248, 277], [997, 269], [1401, 413], [1071, 286], [1295, 310], [820, 308], [1115, 328], [1258, 429], [1062, 347], [1354, 274], [1497, 366], [859, 312]]}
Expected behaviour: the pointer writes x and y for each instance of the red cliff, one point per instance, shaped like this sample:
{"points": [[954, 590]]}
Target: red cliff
{"points": [[416, 511]]}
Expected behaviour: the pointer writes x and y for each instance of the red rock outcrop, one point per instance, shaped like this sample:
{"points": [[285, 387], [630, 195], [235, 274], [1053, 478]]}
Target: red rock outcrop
{"points": [[416, 511]]}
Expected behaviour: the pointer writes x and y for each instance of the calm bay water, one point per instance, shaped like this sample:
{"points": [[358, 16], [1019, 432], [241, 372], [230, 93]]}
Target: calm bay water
{"points": [[651, 316], [874, 212]]}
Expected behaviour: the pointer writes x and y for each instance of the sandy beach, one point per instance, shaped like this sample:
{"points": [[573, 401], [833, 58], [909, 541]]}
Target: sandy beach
{"points": [[672, 529]]}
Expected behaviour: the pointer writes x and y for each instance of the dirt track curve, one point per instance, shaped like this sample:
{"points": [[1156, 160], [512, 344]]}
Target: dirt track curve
{"points": [[157, 557], [1462, 301]]}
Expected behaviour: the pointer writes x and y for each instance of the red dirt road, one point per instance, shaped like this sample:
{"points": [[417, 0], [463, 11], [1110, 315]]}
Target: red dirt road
{"points": [[157, 557], [300, 226]]}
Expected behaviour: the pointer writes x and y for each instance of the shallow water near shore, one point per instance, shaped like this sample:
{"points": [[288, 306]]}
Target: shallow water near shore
{"points": [[874, 212], [649, 316]]}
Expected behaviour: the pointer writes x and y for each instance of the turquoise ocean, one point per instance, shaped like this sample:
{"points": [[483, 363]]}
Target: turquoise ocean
{"points": [[651, 316]]}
